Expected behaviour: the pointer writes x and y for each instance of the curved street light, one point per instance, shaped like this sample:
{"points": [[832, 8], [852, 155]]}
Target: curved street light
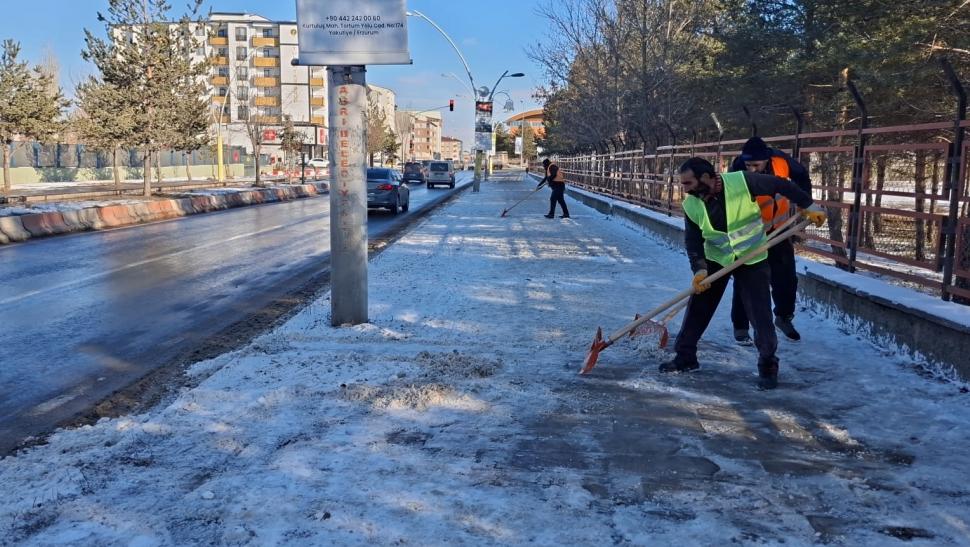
{"points": [[500, 78], [462, 82], [468, 71]]}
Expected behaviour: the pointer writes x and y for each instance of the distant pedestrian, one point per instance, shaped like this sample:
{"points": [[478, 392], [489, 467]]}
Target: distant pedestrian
{"points": [[757, 157], [557, 183]]}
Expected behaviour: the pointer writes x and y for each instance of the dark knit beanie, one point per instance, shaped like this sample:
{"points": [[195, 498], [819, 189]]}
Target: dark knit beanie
{"points": [[755, 150]]}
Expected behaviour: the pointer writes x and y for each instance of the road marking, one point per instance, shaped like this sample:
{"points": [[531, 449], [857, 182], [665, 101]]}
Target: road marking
{"points": [[74, 282]]}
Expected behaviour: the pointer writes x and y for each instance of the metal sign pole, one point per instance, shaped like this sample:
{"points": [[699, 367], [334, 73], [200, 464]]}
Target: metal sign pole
{"points": [[348, 194]]}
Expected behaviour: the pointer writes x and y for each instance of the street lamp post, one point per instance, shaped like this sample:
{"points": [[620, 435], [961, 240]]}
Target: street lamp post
{"points": [[491, 94]]}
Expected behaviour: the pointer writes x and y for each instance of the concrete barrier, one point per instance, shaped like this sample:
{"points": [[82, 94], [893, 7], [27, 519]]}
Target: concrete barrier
{"points": [[114, 216], [23, 227], [13, 230], [45, 224]]}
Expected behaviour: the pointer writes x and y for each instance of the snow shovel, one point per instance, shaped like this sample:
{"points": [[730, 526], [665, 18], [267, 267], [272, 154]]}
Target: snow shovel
{"points": [[783, 232], [523, 199], [651, 327]]}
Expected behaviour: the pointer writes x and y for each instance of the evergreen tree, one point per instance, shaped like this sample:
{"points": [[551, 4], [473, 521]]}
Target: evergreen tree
{"points": [[147, 59], [30, 104], [105, 120]]}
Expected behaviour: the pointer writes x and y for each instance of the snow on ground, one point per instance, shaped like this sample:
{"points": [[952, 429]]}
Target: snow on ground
{"points": [[456, 416], [60, 206]]}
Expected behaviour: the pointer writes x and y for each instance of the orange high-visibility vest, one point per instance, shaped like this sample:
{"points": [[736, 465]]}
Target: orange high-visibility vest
{"points": [[560, 177], [776, 210]]}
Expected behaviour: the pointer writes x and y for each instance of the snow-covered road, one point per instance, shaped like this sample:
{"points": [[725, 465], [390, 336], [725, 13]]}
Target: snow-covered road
{"points": [[456, 417]]}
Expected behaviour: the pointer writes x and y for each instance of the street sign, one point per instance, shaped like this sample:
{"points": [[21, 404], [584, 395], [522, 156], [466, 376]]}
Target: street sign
{"points": [[352, 32], [483, 125], [269, 134]]}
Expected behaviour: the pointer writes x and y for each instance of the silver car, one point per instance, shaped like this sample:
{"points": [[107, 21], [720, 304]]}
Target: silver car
{"points": [[441, 172], [386, 189]]}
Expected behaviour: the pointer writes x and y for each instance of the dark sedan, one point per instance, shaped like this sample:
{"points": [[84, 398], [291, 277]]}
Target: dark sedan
{"points": [[386, 189]]}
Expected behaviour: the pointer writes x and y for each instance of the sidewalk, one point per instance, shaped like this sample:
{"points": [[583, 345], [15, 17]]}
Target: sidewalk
{"points": [[457, 417]]}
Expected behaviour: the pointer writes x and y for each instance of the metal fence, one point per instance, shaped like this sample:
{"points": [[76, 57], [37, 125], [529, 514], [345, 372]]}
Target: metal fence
{"points": [[896, 196]]}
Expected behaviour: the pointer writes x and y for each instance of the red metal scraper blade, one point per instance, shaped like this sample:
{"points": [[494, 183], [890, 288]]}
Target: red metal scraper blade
{"points": [[595, 348]]}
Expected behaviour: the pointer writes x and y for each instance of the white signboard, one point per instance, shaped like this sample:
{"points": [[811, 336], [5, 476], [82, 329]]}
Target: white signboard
{"points": [[352, 32], [518, 146]]}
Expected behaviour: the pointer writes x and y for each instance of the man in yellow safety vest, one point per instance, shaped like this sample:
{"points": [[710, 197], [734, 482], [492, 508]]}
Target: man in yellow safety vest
{"points": [[723, 223]]}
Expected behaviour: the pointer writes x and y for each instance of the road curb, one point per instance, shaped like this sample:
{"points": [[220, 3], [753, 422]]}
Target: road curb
{"points": [[17, 228]]}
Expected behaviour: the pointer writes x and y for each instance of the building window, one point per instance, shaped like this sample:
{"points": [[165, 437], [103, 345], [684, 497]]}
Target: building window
{"points": [[223, 91], [242, 93], [267, 33], [242, 113], [242, 72], [241, 53], [200, 30], [268, 72], [223, 32], [241, 33], [267, 52], [224, 71]]}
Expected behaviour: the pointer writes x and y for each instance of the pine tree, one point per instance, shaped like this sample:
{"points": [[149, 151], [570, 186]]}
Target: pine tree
{"points": [[105, 120], [30, 104], [146, 58]]}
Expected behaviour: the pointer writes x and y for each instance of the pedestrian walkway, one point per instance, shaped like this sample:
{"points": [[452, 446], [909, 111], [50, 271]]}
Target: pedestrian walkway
{"points": [[456, 416]]}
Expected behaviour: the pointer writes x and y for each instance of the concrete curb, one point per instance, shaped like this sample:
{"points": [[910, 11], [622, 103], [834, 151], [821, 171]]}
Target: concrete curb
{"points": [[23, 227], [914, 331]]}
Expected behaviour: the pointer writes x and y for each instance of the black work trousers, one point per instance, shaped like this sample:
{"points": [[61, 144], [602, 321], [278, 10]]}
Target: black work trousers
{"points": [[784, 285], [751, 282], [558, 196]]}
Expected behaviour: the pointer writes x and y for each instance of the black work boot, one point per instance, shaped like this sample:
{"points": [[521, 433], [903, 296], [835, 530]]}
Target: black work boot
{"points": [[677, 364], [742, 337], [550, 215], [785, 326], [768, 373]]}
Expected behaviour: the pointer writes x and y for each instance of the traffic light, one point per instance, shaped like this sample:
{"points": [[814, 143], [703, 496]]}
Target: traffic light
{"points": [[451, 105]]}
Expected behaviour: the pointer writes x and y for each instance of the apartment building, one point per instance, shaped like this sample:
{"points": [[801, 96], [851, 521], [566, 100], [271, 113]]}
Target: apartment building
{"points": [[451, 149], [253, 80], [385, 100], [419, 133]]}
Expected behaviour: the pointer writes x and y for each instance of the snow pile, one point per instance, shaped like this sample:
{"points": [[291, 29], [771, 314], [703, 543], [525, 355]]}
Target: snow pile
{"points": [[456, 416]]}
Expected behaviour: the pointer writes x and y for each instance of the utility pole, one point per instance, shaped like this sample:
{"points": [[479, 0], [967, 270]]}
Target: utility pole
{"points": [[348, 197]]}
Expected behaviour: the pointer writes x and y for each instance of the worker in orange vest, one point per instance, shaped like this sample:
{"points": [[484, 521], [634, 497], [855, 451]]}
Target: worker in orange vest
{"points": [[556, 180], [757, 157]]}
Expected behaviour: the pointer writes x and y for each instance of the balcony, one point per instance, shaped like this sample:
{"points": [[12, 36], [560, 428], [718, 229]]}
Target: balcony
{"points": [[318, 120], [317, 82], [267, 119], [318, 101], [266, 81], [219, 61], [218, 41], [262, 41], [219, 80], [266, 61], [219, 99], [267, 101]]}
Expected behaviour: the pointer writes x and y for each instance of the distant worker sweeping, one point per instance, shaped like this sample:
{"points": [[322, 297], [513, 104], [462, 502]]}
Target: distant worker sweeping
{"points": [[556, 180], [723, 223]]}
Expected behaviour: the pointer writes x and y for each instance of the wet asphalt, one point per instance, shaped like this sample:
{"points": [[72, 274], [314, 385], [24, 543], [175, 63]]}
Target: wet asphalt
{"points": [[84, 315]]}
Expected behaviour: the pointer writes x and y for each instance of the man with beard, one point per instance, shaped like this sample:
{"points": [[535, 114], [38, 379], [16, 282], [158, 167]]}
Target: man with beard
{"points": [[723, 222]]}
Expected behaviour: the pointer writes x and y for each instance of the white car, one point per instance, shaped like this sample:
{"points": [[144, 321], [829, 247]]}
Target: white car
{"points": [[318, 163]]}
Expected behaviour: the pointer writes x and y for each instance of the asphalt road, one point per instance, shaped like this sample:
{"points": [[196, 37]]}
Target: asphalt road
{"points": [[84, 315]]}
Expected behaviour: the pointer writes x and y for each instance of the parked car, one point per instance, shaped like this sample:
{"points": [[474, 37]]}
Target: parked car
{"points": [[441, 172], [413, 172], [318, 163], [386, 189]]}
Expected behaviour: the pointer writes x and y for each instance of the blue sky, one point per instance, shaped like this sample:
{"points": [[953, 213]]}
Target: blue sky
{"points": [[492, 36]]}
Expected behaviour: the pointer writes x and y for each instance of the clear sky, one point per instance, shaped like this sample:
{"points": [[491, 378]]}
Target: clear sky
{"points": [[492, 36]]}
